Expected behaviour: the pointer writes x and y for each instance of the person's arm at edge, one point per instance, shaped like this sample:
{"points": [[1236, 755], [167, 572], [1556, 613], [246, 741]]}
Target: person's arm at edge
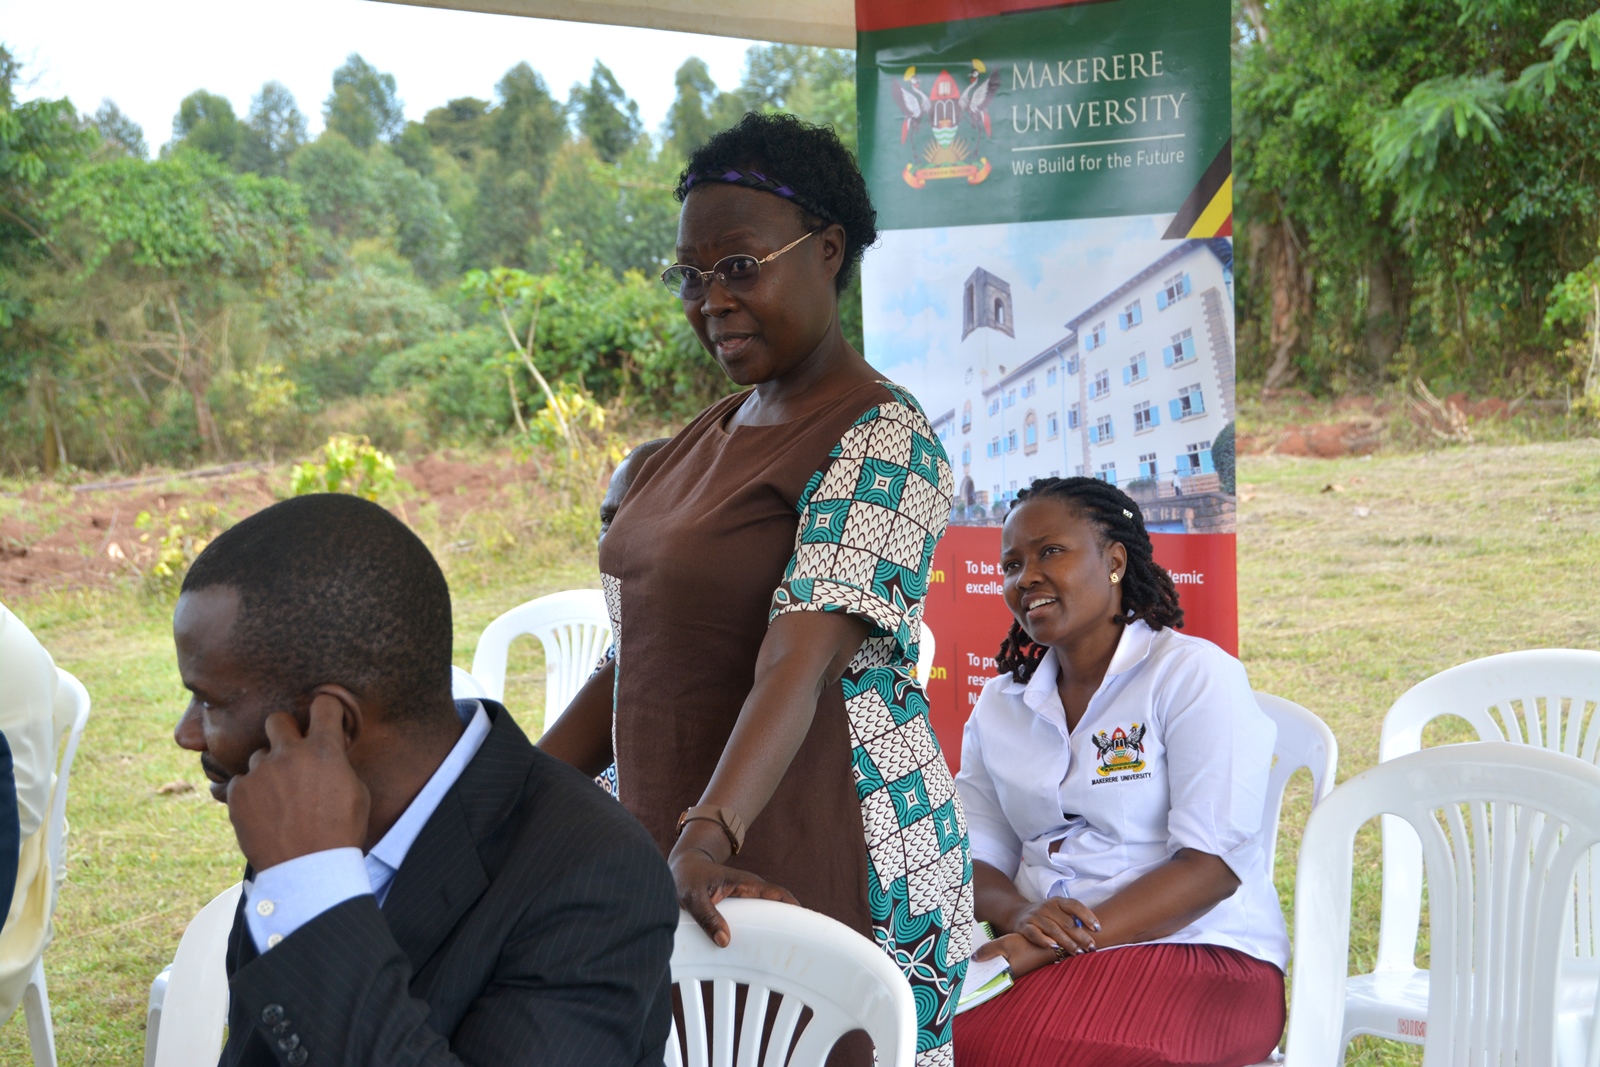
{"points": [[803, 653], [581, 737]]}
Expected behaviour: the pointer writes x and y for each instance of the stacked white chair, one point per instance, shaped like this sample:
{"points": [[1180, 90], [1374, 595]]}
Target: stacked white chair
{"points": [[72, 711], [1543, 698], [1503, 830], [574, 629], [790, 959]]}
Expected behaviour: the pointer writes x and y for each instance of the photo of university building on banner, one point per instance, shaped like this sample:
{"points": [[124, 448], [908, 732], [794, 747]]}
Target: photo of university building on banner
{"points": [[1055, 281]]}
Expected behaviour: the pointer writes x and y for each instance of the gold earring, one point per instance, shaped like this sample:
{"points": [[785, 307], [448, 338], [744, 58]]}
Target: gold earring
{"points": [[1115, 578]]}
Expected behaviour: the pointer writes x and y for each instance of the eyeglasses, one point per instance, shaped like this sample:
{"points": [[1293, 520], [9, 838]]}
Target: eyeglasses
{"points": [[738, 273]]}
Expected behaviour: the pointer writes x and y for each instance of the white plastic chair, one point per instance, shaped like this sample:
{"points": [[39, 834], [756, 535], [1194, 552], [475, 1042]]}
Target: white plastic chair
{"points": [[1504, 828], [189, 998], [925, 649], [463, 686], [573, 627], [795, 959], [36, 995], [1303, 741], [1544, 698]]}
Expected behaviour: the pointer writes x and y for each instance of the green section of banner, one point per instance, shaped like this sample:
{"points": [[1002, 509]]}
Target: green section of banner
{"points": [[1084, 111]]}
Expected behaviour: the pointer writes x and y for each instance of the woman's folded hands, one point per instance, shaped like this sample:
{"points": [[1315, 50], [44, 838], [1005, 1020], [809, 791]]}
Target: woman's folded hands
{"points": [[1043, 933]]}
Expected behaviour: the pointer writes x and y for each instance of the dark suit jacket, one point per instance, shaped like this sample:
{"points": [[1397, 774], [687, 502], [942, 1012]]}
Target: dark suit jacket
{"points": [[531, 923]]}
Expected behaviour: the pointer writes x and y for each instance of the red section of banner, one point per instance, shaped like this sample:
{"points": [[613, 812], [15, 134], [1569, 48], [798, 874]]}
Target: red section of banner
{"points": [[892, 14], [1206, 570], [968, 616]]}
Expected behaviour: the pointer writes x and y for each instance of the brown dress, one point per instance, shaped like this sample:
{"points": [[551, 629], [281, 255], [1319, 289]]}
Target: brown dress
{"points": [[723, 530]]}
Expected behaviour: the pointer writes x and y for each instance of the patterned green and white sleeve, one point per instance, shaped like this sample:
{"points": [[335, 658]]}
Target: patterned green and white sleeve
{"points": [[869, 521]]}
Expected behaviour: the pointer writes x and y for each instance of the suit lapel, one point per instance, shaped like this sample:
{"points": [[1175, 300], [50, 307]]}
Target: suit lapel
{"points": [[241, 948], [441, 878], [443, 874]]}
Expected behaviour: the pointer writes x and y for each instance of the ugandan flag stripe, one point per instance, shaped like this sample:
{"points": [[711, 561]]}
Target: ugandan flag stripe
{"points": [[1208, 209]]}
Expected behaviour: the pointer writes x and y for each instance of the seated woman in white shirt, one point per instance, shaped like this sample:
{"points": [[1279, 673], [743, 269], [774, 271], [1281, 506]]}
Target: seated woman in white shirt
{"points": [[1113, 777]]}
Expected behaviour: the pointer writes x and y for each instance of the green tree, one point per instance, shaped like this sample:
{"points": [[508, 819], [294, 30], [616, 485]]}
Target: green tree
{"points": [[622, 214], [206, 122], [356, 195], [163, 255], [458, 127], [371, 308], [695, 110], [119, 134], [1413, 181], [336, 184], [523, 132], [605, 115], [274, 130], [363, 106], [781, 75], [41, 142]]}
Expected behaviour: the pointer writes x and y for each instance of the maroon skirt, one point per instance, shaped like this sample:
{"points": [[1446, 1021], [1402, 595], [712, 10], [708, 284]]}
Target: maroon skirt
{"points": [[1140, 1006]]}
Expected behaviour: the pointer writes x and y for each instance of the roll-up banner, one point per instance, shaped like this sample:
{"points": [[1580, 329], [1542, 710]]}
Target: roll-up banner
{"points": [[1055, 280]]}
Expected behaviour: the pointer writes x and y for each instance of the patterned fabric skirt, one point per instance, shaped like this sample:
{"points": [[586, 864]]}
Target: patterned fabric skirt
{"points": [[1141, 1006]]}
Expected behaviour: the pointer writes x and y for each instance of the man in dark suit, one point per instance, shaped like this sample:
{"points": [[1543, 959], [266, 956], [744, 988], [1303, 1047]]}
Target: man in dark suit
{"points": [[424, 887]]}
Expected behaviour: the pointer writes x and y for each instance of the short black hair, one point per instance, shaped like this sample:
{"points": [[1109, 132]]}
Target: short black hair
{"points": [[333, 588], [811, 160], [1148, 591]]}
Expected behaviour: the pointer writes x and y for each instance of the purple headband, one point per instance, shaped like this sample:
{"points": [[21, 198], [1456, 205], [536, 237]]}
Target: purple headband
{"points": [[751, 179]]}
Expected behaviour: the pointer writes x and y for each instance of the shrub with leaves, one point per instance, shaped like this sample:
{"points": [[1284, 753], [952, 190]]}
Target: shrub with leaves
{"points": [[180, 536], [348, 464]]}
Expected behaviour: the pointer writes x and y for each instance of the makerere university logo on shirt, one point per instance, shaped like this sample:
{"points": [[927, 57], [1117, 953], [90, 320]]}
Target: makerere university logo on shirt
{"points": [[1120, 752], [945, 150]]}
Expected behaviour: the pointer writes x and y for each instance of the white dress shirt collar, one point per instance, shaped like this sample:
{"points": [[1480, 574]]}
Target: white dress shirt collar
{"points": [[1133, 648], [284, 897], [392, 848]]}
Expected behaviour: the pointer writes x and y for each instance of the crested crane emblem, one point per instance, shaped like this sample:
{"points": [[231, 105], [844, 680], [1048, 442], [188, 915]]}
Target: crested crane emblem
{"points": [[946, 150], [1121, 751]]}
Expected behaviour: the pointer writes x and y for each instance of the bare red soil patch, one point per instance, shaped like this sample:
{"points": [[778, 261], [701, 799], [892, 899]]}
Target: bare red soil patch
{"points": [[55, 538]]}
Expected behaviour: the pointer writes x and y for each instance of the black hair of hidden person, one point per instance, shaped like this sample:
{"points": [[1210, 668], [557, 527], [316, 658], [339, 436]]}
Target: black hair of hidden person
{"points": [[811, 160], [334, 588], [1148, 591]]}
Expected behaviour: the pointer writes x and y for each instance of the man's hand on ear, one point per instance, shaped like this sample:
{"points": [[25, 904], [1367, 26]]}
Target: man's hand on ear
{"points": [[300, 795]]}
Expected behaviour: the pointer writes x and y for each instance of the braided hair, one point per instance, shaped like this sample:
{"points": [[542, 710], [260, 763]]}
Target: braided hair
{"points": [[1147, 589]]}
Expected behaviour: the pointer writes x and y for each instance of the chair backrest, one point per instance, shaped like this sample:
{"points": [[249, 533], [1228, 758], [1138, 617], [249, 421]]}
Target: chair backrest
{"points": [[72, 691], [1303, 741], [573, 627], [1540, 697], [194, 1010], [1503, 830], [788, 959], [925, 649], [463, 686]]}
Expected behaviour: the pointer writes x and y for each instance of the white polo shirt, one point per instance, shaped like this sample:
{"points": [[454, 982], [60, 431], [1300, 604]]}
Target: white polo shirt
{"points": [[1171, 753]]}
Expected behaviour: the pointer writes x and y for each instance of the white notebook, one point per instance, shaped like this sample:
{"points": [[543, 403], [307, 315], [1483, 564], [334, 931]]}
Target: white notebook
{"points": [[986, 979]]}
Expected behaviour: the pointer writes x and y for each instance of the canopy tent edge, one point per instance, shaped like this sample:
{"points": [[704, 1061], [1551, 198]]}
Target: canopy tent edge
{"points": [[825, 23]]}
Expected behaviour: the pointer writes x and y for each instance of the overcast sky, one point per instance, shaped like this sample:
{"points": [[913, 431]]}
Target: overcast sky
{"points": [[149, 55]]}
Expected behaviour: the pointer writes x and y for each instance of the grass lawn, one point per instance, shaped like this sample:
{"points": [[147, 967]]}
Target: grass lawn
{"points": [[1358, 578]]}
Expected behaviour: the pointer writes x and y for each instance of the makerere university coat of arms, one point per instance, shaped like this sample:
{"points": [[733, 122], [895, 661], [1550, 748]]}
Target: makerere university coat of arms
{"points": [[1121, 751], [946, 151]]}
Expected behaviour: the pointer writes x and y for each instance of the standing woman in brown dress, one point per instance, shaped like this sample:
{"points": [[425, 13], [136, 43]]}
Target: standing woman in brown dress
{"points": [[766, 576]]}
